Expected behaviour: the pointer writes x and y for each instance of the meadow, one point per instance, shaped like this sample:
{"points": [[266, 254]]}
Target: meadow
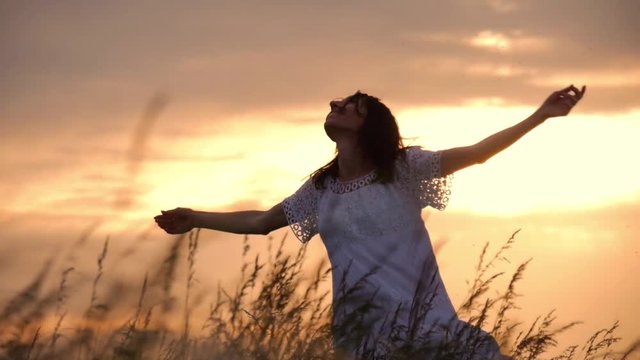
{"points": [[278, 310]]}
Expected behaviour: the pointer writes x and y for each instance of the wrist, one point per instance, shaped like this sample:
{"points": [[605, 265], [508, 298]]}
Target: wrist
{"points": [[197, 219], [539, 116]]}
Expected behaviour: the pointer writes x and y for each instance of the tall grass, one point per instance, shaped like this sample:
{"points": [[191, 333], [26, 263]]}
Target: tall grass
{"points": [[274, 312]]}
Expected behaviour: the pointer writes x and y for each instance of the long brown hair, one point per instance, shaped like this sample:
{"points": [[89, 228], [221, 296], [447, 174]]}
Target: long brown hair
{"points": [[379, 138]]}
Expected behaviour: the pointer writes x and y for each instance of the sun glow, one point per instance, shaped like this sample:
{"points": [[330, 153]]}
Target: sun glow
{"points": [[566, 163], [259, 159]]}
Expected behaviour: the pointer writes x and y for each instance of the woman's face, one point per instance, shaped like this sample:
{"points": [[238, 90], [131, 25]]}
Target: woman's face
{"points": [[343, 116]]}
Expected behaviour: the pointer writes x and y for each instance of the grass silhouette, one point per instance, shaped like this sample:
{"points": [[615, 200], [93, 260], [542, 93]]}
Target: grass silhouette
{"points": [[274, 312]]}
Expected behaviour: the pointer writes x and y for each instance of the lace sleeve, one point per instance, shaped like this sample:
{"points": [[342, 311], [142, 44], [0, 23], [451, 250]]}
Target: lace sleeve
{"points": [[432, 189], [301, 210]]}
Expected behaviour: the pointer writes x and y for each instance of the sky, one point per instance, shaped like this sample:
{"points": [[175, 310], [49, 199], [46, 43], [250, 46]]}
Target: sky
{"points": [[111, 111]]}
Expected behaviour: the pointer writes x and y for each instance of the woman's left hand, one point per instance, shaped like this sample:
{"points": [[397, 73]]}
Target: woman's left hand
{"points": [[560, 103]]}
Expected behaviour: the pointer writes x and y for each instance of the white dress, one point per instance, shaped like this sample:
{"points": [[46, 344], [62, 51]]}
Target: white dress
{"points": [[381, 254]]}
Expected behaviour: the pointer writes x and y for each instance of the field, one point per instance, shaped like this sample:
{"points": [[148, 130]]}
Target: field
{"points": [[274, 312]]}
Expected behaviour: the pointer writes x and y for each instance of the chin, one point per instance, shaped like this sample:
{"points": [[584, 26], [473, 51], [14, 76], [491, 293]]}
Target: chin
{"points": [[335, 131], [330, 130]]}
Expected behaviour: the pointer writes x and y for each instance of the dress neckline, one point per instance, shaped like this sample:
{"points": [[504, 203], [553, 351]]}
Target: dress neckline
{"points": [[341, 187]]}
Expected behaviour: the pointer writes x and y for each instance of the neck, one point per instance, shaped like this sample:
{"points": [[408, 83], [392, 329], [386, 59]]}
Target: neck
{"points": [[351, 161]]}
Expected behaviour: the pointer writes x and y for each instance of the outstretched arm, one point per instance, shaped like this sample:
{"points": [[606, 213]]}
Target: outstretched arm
{"points": [[559, 103], [181, 220]]}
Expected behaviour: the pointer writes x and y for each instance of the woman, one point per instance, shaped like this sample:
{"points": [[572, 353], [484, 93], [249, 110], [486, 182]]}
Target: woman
{"points": [[366, 205]]}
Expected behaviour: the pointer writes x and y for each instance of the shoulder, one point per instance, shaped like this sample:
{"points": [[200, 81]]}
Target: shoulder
{"points": [[404, 160], [417, 162], [314, 188], [418, 150], [417, 155], [409, 155]]}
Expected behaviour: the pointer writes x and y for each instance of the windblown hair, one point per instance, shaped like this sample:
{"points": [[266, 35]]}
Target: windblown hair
{"points": [[379, 138]]}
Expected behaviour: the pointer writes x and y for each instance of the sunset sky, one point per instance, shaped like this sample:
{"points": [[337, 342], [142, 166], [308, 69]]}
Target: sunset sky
{"points": [[111, 111]]}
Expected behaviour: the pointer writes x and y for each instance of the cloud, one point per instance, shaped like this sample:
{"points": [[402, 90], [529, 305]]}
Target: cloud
{"points": [[500, 70], [75, 78], [502, 41], [619, 78], [516, 41], [503, 6], [74, 63]]}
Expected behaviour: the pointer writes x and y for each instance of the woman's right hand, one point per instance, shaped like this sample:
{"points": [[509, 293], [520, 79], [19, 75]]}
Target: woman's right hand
{"points": [[176, 221]]}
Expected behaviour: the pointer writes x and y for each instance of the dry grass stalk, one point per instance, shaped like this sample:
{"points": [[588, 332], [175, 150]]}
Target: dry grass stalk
{"points": [[274, 313]]}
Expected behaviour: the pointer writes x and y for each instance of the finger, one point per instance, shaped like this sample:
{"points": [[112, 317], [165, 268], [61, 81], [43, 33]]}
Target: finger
{"points": [[566, 89], [577, 92], [165, 225], [584, 89], [567, 95], [570, 99], [168, 215], [177, 212], [555, 96], [164, 222]]}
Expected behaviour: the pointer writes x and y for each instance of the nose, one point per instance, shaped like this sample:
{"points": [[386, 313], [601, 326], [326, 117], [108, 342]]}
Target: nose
{"points": [[334, 104]]}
